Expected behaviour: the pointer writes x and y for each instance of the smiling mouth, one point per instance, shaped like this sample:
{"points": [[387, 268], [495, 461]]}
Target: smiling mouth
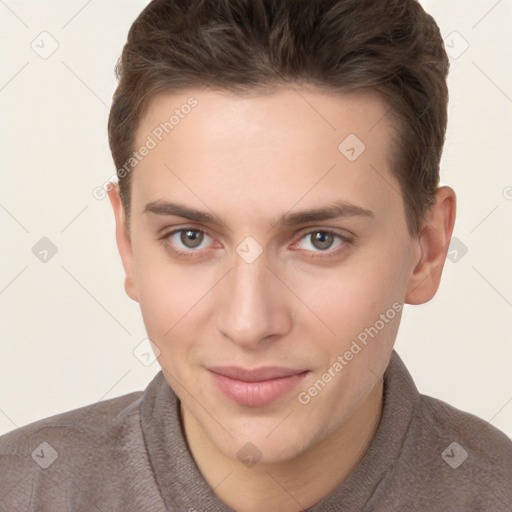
{"points": [[256, 388]]}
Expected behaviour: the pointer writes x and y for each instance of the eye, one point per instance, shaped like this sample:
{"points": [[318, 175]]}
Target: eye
{"points": [[320, 241], [189, 238]]}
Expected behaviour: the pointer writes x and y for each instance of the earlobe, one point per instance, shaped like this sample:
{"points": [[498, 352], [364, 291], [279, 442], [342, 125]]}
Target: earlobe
{"points": [[123, 240], [433, 241]]}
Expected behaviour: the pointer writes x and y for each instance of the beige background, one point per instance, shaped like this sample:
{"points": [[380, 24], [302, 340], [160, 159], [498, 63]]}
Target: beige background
{"points": [[68, 330]]}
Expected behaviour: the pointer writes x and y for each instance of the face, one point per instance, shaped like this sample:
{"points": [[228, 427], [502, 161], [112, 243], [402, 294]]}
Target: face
{"points": [[272, 326]]}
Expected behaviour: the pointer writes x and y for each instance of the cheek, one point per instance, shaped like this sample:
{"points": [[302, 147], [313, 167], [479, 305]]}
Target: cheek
{"points": [[351, 297], [362, 306], [169, 294]]}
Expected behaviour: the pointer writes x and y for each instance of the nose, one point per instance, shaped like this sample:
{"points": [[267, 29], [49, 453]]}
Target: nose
{"points": [[253, 307]]}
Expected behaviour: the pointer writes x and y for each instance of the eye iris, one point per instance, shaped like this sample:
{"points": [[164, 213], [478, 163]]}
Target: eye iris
{"points": [[324, 240], [189, 235]]}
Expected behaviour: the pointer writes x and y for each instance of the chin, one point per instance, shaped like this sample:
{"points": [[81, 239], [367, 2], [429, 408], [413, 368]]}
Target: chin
{"points": [[258, 446]]}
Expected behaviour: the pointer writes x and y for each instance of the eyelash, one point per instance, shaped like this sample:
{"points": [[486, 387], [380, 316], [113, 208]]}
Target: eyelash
{"points": [[316, 254]]}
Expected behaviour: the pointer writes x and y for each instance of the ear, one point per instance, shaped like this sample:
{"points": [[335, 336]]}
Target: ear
{"points": [[433, 242], [123, 240]]}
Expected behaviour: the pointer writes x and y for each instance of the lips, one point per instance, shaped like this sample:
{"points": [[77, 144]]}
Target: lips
{"points": [[257, 387]]}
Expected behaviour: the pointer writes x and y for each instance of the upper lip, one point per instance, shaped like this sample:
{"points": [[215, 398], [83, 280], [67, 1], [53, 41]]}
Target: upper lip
{"points": [[257, 374]]}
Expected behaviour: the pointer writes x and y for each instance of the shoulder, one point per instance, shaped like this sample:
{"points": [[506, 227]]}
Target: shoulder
{"points": [[72, 442], [99, 418], [482, 440], [461, 457]]}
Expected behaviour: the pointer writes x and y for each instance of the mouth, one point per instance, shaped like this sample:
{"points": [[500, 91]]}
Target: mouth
{"points": [[257, 387]]}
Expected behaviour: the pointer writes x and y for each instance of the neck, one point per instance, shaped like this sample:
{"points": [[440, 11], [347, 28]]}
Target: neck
{"points": [[294, 484]]}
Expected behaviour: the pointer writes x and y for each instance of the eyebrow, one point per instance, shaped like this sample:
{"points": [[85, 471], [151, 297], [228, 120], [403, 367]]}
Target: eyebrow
{"points": [[339, 209]]}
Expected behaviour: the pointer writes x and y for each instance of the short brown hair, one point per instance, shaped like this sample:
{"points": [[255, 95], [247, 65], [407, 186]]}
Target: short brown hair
{"points": [[391, 46]]}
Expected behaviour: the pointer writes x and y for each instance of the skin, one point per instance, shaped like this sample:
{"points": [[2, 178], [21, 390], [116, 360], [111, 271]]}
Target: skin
{"points": [[250, 160]]}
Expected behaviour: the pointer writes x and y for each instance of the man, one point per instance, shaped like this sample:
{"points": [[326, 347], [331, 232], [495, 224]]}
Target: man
{"points": [[278, 204]]}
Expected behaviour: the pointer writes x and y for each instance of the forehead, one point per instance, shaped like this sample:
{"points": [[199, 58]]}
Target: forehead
{"points": [[290, 112], [291, 144]]}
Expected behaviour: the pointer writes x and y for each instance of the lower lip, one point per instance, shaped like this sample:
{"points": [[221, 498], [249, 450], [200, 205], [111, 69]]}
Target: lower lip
{"points": [[256, 394]]}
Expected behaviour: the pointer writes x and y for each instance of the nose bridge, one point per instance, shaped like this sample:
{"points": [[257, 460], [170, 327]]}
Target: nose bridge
{"points": [[249, 311]]}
